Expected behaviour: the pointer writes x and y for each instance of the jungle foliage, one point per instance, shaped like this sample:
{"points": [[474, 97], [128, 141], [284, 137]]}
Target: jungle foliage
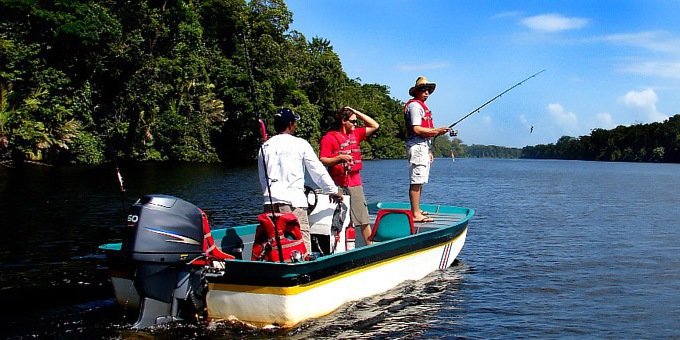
{"points": [[655, 142], [92, 81]]}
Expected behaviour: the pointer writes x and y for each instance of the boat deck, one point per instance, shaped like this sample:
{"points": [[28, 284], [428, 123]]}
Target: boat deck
{"points": [[440, 220], [238, 240]]}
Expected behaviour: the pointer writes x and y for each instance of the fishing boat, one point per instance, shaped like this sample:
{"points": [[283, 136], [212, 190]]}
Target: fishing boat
{"points": [[172, 265]]}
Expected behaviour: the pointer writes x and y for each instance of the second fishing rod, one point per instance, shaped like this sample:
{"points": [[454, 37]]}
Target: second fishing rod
{"points": [[454, 133], [479, 108]]}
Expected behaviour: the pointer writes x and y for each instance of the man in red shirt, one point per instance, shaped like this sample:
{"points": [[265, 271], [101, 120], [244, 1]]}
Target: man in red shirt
{"points": [[341, 153]]}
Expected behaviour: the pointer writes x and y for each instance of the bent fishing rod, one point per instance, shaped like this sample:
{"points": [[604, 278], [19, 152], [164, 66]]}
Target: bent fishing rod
{"points": [[263, 131], [494, 98]]}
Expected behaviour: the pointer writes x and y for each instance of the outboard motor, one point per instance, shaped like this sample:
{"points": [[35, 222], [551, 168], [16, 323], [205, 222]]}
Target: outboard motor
{"points": [[164, 235]]}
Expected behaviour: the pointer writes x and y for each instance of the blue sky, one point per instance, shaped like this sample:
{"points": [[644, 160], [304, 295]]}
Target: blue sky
{"points": [[607, 63]]}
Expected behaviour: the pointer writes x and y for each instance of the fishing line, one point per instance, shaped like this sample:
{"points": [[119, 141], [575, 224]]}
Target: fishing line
{"points": [[263, 131], [494, 98], [122, 187]]}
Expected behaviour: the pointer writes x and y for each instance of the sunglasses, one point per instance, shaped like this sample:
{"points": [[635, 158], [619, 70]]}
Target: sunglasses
{"points": [[353, 121], [423, 89]]}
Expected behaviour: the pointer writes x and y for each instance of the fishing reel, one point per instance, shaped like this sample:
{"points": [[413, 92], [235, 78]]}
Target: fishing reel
{"points": [[453, 133]]}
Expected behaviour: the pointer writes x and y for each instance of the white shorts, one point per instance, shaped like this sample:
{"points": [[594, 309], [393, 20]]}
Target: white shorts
{"points": [[419, 163]]}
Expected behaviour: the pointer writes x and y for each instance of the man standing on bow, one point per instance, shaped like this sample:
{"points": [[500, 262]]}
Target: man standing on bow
{"points": [[420, 131], [285, 158], [340, 151]]}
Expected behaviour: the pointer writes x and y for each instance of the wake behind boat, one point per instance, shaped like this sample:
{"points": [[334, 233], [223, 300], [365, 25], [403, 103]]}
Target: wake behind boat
{"points": [[172, 266]]}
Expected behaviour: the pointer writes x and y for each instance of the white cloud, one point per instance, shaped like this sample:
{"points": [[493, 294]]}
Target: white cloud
{"points": [[660, 41], [654, 68], [523, 119], [553, 22], [644, 102], [655, 41], [605, 120], [512, 14], [563, 118], [422, 67]]}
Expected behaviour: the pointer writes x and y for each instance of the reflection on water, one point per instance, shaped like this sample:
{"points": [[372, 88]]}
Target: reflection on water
{"points": [[556, 248]]}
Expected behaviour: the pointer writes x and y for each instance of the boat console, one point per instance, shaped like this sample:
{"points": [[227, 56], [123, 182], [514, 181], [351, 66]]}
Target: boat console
{"points": [[329, 236]]}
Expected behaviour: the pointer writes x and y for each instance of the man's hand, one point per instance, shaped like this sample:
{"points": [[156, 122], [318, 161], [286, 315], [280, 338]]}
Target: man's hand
{"points": [[344, 158], [442, 130], [335, 198]]}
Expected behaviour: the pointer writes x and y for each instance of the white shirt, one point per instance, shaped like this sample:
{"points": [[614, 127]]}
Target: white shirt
{"points": [[287, 157]]}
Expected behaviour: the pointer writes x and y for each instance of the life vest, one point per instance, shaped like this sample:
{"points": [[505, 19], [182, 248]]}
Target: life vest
{"points": [[265, 247], [426, 121], [348, 146], [210, 249]]}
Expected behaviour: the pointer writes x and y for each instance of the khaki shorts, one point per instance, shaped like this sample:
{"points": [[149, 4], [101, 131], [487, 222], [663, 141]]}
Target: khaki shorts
{"points": [[358, 212], [302, 217], [419, 164]]}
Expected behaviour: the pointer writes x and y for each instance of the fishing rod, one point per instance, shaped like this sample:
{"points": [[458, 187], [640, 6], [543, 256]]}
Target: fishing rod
{"points": [[494, 98], [123, 205], [263, 131]]}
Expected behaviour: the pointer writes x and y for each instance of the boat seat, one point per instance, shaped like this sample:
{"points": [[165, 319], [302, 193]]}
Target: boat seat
{"points": [[391, 224]]}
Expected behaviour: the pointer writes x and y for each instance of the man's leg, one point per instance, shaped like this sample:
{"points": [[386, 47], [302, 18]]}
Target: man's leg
{"points": [[414, 197], [366, 232], [303, 219], [419, 171], [359, 210]]}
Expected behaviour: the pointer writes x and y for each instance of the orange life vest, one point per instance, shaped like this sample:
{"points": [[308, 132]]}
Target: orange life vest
{"points": [[427, 119], [265, 247]]}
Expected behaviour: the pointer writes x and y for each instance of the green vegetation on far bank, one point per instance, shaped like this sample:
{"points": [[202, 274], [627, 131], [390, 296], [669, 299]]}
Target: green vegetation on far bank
{"points": [[87, 82], [654, 142], [93, 81]]}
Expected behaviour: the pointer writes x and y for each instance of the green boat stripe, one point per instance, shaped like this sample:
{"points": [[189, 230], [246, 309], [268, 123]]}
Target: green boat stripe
{"points": [[270, 274], [297, 289]]}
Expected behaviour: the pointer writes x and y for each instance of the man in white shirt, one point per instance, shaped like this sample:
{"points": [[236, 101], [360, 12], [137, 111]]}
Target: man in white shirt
{"points": [[286, 158]]}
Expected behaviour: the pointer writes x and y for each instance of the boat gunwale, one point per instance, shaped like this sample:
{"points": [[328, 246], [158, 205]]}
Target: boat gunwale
{"points": [[275, 274]]}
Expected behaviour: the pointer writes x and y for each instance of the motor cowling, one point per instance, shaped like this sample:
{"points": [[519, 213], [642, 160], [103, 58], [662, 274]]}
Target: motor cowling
{"points": [[164, 229], [164, 234]]}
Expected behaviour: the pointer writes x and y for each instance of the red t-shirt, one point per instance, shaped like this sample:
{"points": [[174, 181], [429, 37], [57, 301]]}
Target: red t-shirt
{"points": [[330, 147]]}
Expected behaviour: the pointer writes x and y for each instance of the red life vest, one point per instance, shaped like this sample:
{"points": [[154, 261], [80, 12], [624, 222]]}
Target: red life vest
{"points": [[348, 146], [210, 249], [427, 119], [265, 247]]}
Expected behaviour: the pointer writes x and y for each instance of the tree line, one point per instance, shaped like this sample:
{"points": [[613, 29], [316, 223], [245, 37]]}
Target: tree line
{"points": [[88, 81], [654, 142]]}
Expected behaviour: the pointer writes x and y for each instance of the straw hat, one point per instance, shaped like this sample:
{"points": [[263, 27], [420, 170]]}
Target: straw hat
{"points": [[421, 81]]}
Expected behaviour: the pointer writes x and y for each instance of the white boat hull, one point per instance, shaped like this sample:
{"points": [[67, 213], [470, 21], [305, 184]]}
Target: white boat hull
{"points": [[287, 306]]}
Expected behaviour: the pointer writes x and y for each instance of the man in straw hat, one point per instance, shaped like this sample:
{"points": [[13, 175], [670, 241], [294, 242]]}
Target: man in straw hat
{"points": [[420, 131]]}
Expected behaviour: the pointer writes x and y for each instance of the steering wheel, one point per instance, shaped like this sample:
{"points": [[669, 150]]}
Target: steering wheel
{"points": [[314, 199]]}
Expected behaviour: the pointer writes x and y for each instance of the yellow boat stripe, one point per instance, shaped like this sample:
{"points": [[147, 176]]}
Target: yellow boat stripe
{"points": [[304, 287]]}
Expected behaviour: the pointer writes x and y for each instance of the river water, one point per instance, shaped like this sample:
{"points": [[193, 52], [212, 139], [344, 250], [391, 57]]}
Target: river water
{"points": [[557, 249]]}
